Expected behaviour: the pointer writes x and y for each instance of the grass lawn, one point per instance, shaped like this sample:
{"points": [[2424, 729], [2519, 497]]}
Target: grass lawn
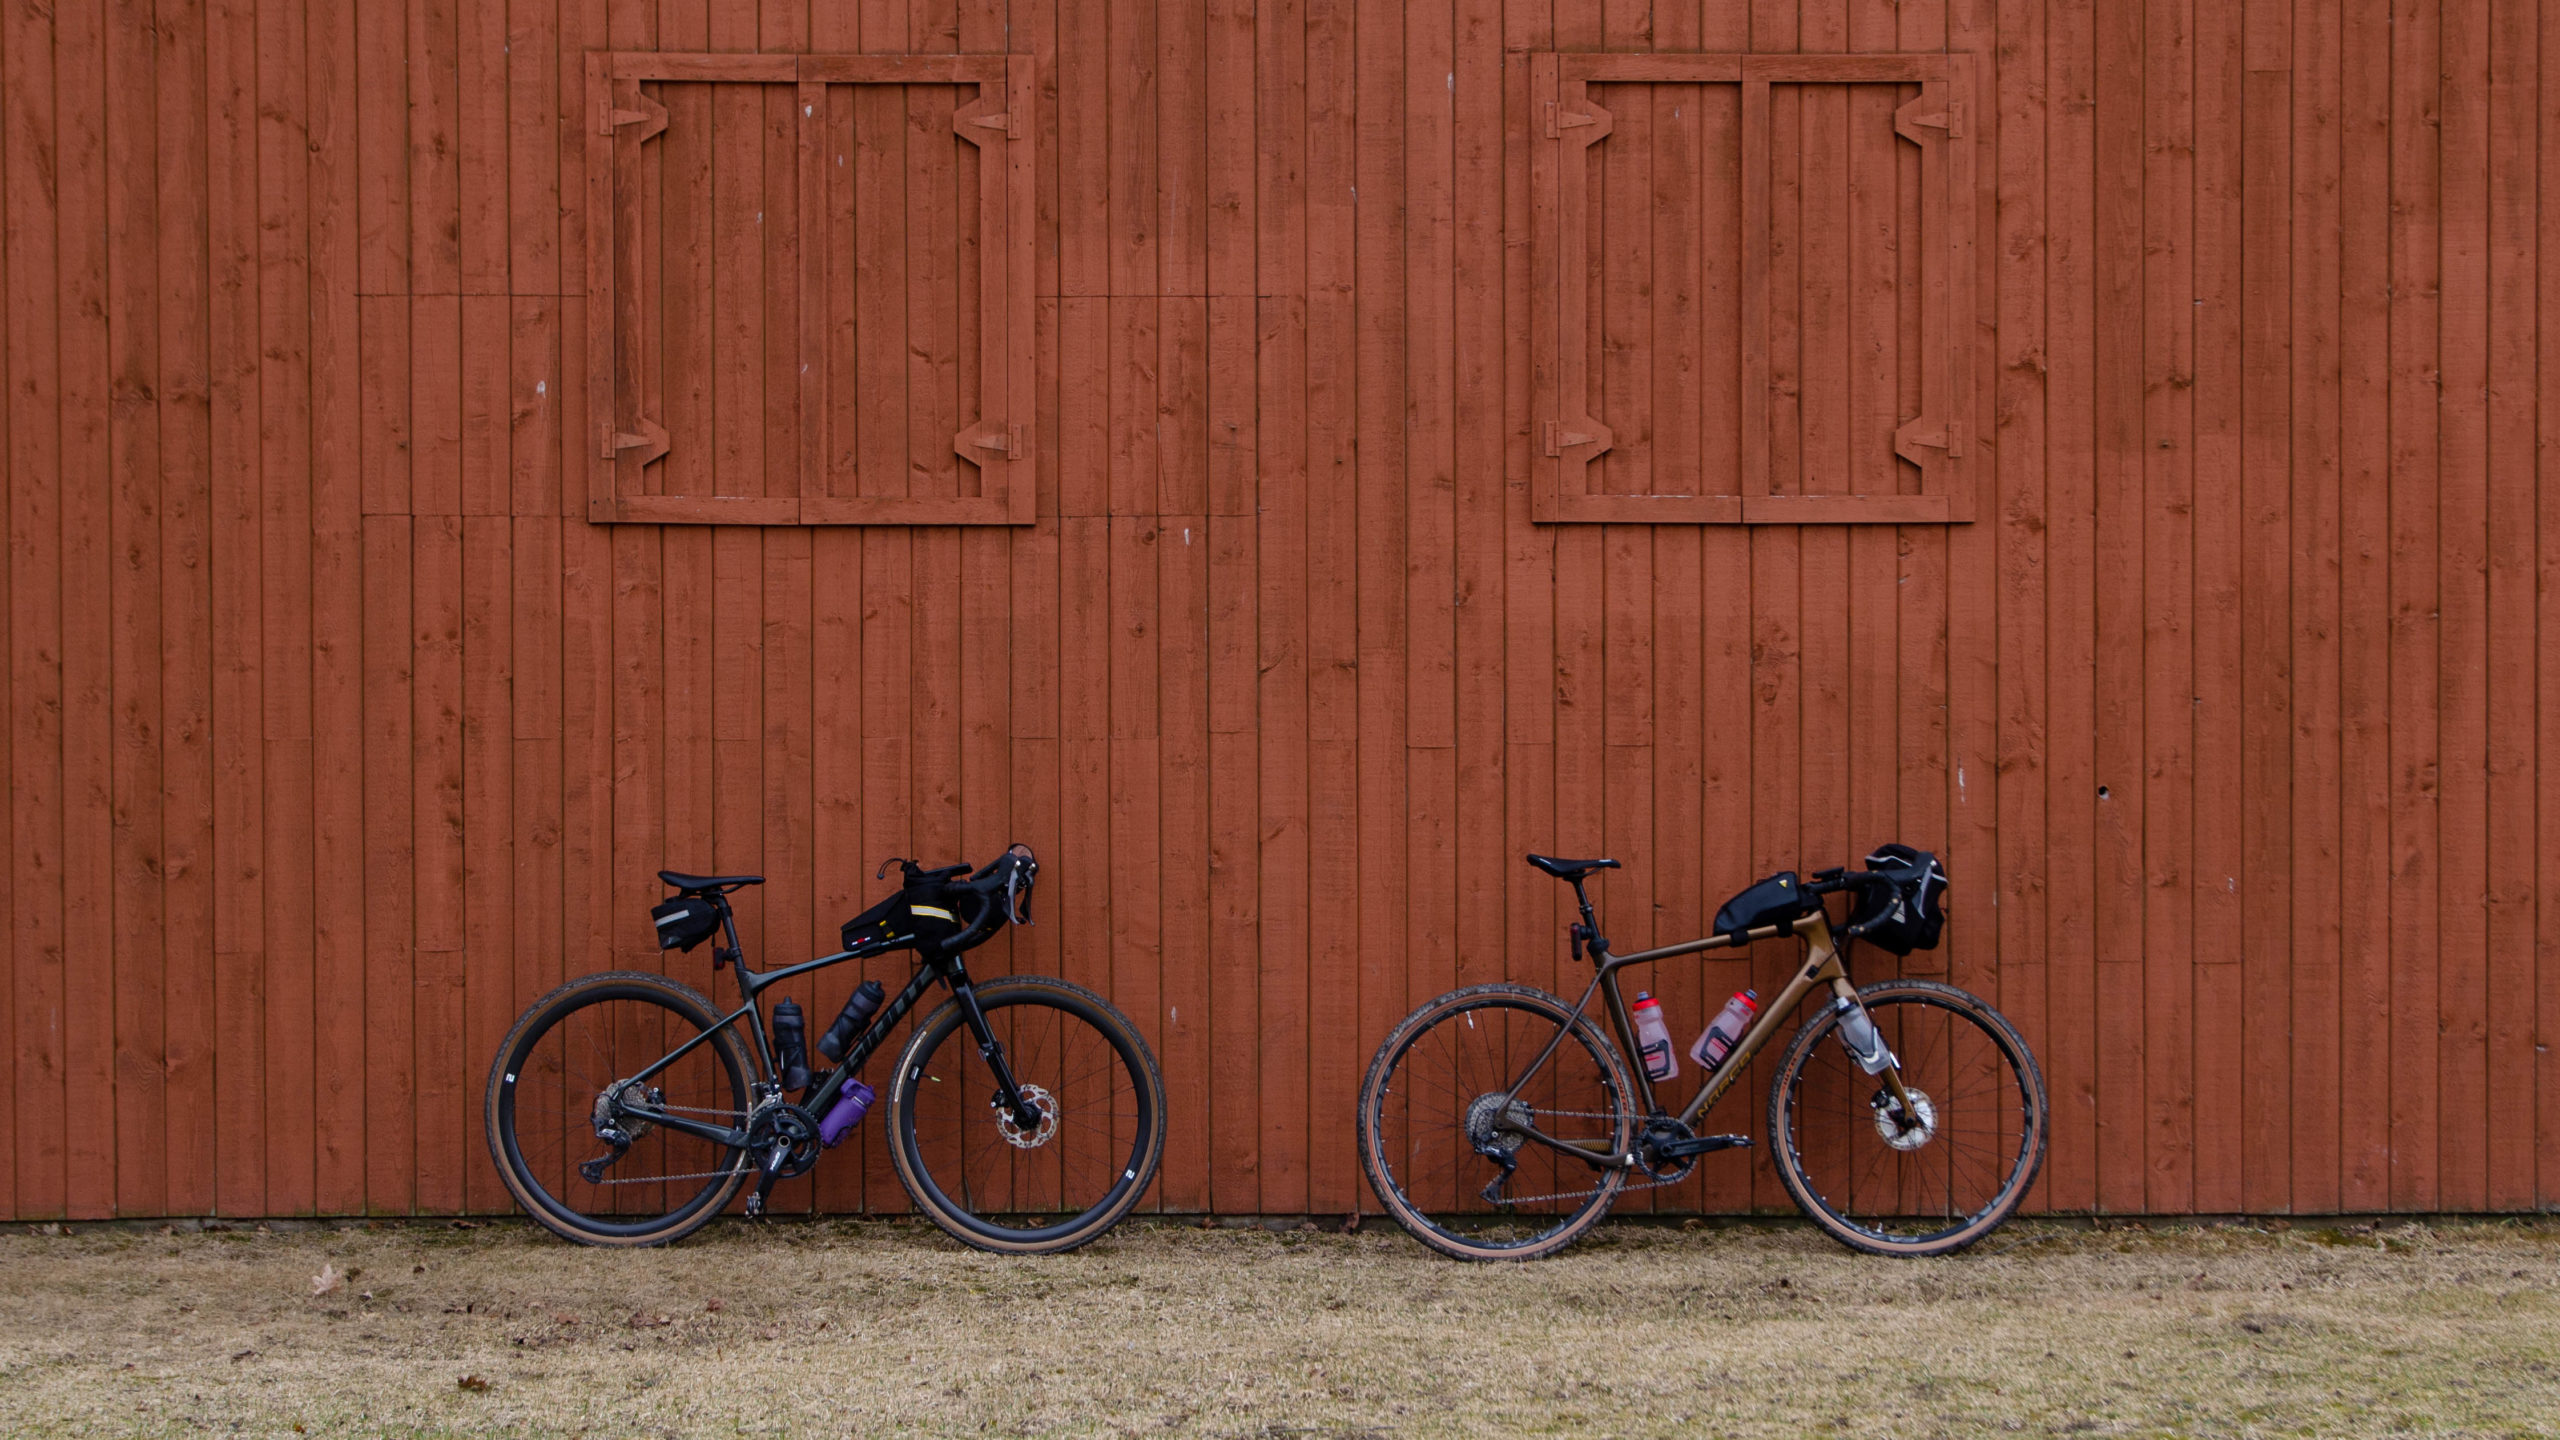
{"points": [[835, 1328]]}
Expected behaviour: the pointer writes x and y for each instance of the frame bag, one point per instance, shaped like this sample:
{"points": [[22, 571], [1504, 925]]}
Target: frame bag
{"points": [[1907, 914]]}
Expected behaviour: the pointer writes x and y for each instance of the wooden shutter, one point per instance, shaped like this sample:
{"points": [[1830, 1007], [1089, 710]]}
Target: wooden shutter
{"points": [[810, 289], [1752, 275]]}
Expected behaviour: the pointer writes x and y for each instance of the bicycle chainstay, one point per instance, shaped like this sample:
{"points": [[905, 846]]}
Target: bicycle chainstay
{"points": [[1594, 1190]]}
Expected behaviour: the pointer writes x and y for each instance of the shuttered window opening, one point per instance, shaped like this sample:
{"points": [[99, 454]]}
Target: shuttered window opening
{"points": [[1752, 278], [810, 289]]}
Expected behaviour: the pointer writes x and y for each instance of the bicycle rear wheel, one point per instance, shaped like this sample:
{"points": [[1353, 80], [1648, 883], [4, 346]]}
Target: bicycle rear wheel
{"points": [[1457, 1155], [987, 1180], [548, 1094], [1932, 1188]]}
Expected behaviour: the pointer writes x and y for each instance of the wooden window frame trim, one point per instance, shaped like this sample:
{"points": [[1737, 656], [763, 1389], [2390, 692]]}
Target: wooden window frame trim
{"points": [[1566, 438], [997, 439]]}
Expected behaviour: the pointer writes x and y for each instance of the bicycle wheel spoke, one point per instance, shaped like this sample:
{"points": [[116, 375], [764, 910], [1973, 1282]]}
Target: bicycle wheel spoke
{"points": [[1932, 1177], [1442, 1087], [984, 1176], [564, 1059]]}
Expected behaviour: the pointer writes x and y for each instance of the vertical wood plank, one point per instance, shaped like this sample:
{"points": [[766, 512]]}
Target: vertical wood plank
{"points": [[2316, 988], [2415, 352], [2366, 998]]}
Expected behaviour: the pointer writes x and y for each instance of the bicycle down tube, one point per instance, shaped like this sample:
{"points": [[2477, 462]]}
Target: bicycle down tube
{"points": [[1821, 964]]}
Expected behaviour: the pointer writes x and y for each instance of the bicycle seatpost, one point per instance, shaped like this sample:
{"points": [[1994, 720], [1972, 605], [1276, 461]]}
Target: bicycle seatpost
{"points": [[1588, 932]]}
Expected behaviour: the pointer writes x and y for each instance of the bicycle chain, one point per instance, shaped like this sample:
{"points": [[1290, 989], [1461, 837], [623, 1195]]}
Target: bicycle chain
{"points": [[1576, 1194]]}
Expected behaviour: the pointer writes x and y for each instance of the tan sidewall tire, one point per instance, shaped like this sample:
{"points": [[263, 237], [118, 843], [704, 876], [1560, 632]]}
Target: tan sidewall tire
{"points": [[1818, 1029], [902, 1095], [1373, 1094], [689, 1002]]}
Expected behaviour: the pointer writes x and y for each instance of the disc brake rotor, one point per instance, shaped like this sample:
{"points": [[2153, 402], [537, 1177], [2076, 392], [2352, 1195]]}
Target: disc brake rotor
{"points": [[1011, 1128], [1923, 1111]]}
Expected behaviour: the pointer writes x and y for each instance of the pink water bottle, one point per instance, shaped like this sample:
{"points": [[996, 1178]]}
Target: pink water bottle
{"points": [[1653, 1039], [1725, 1031]]}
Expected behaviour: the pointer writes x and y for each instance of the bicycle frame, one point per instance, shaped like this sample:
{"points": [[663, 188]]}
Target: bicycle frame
{"points": [[1822, 966], [752, 985]]}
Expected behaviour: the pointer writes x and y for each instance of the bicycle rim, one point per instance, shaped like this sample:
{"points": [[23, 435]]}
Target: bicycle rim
{"points": [[1438, 1118], [995, 1184], [566, 1054], [1879, 1185]]}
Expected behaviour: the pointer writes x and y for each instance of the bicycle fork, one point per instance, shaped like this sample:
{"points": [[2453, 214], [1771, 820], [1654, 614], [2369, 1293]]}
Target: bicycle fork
{"points": [[1008, 1097]]}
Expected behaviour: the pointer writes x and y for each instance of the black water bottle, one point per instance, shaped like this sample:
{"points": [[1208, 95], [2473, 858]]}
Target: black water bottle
{"points": [[857, 1012], [791, 1045]]}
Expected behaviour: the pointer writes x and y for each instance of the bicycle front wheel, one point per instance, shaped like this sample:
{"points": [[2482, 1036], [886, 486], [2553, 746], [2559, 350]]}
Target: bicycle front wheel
{"points": [[565, 1076], [990, 1181], [1470, 1155], [1936, 1183]]}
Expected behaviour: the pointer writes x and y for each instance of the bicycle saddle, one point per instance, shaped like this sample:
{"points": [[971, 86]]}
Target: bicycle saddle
{"points": [[1569, 869], [708, 882]]}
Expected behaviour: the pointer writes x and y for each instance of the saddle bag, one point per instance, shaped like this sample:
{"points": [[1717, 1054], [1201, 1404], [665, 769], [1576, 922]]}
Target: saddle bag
{"points": [[685, 921], [1778, 900]]}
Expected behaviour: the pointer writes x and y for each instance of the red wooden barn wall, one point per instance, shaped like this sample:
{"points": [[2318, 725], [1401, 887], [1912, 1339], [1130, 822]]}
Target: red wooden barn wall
{"points": [[335, 733]]}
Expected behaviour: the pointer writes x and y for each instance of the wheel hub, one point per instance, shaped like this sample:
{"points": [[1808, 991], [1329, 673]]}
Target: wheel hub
{"points": [[1498, 1124], [1906, 1132], [1012, 1129]]}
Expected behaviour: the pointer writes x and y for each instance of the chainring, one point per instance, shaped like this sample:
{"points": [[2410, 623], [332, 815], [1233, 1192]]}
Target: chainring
{"points": [[779, 1122], [1658, 1132]]}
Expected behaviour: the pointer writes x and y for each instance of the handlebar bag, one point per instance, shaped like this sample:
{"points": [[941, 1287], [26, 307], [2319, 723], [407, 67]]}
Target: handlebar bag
{"points": [[1777, 900], [929, 913], [1907, 914]]}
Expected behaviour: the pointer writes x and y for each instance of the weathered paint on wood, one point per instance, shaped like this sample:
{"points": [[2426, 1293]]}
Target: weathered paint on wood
{"points": [[336, 729]]}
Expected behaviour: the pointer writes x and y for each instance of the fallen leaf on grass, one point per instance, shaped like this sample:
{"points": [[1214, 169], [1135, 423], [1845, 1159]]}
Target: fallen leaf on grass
{"points": [[472, 1383], [715, 1305], [243, 1355], [327, 1280], [643, 1320]]}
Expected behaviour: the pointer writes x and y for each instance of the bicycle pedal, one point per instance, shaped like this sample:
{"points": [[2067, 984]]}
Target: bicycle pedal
{"points": [[1703, 1144]]}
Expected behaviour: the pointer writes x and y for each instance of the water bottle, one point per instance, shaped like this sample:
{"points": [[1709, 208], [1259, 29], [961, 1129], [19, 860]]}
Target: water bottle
{"points": [[1654, 1039], [1725, 1031], [791, 1045], [1858, 1036], [857, 1011], [852, 1103]]}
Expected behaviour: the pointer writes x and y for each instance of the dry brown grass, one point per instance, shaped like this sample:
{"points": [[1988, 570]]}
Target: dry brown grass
{"points": [[837, 1328]]}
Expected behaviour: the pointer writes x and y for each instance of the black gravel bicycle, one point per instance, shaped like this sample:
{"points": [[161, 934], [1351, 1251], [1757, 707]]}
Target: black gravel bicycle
{"points": [[1026, 1114], [1906, 1117]]}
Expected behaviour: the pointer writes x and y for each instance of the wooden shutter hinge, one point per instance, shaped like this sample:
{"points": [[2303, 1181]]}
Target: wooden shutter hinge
{"points": [[651, 442], [651, 115], [1559, 122], [1937, 436], [1006, 440], [1947, 116], [1559, 439], [1002, 121]]}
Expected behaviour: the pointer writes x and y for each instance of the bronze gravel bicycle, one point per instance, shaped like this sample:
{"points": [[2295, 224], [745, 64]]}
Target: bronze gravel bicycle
{"points": [[1906, 1117]]}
